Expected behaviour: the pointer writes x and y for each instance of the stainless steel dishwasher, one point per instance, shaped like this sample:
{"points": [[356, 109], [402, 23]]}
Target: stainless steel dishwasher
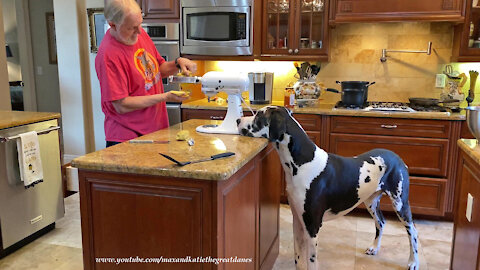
{"points": [[25, 213]]}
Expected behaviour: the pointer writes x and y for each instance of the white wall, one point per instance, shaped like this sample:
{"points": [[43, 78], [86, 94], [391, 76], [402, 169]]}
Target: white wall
{"points": [[11, 38], [46, 74], [98, 116], [4, 87], [73, 73]]}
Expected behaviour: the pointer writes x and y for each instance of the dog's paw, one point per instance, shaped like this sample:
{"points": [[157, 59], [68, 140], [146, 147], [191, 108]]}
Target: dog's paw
{"points": [[371, 251], [413, 266]]}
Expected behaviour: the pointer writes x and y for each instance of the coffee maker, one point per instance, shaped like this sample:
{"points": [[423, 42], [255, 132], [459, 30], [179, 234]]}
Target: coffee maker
{"points": [[260, 88]]}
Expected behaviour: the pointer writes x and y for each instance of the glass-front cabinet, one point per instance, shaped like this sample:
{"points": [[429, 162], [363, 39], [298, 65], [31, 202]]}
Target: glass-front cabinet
{"points": [[295, 29], [466, 47]]}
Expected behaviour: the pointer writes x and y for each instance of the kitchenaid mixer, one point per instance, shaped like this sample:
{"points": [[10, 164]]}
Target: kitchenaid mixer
{"points": [[213, 82]]}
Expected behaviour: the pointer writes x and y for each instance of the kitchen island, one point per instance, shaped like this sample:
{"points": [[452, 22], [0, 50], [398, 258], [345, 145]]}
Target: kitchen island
{"points": [[136, 203]]}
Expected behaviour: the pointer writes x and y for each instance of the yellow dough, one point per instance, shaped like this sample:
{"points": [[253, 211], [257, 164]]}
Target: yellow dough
{"points": [[179, 93], [183, 135]]}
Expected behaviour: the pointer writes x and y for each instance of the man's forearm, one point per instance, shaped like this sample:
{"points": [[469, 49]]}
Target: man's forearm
{"points": [[168, 68], [133, 103]]}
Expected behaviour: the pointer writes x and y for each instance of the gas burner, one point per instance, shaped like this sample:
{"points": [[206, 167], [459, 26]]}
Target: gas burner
{"points": [[389, 107], [433, 108], [341, 105]]}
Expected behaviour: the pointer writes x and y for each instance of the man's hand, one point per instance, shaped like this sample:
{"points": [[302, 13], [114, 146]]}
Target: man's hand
{"points": [[171, 97], [187, 66]]}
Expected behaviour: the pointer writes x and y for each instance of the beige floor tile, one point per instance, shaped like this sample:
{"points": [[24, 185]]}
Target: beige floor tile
{"points": [[42, 256], [342, 243], [392, 226], [435, 230], [437, 253], [394, 252]]}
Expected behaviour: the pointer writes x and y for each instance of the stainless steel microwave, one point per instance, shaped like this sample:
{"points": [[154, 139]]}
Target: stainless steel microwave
{"points": [[217, 27]]}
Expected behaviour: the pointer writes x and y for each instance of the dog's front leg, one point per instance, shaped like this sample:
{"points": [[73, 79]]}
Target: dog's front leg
{"points": [[311, 251], [305, 246], [298, 241]]}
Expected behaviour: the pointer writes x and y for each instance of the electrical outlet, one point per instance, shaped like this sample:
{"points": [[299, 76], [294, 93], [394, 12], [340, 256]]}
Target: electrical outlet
{"points": [[440, 80], [468, 213]]}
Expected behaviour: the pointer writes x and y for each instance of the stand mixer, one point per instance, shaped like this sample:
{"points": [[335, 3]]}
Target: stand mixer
{"points": [[214, 82]]}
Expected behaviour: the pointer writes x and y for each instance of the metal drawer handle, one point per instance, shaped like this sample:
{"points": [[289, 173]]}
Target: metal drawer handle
{"points": [[45, 131], [216, 117], [389, 126]]}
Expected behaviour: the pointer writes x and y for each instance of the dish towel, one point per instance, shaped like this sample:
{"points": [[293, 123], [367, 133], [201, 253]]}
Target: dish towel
{"points": [[29, 160]]}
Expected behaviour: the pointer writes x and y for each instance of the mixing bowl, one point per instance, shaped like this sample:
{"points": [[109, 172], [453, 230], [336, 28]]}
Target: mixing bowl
{"points": [[473, 120]]}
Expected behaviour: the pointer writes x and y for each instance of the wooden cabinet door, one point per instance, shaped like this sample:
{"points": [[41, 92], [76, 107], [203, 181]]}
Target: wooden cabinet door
{"points": [[294, 29], [466, 40], [466, 239], [161, 9], [117, 208], [393, 10], [271, 173]]}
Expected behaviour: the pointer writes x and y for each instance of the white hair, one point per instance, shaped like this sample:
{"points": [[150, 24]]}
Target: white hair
{"points": [[116, 10]]}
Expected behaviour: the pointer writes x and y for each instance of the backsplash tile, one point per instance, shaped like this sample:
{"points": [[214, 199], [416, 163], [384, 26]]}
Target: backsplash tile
{"points": [[355, 52]]}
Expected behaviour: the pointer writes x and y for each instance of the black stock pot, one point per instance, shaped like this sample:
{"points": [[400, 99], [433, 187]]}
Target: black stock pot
{"points": [[354, 93]]}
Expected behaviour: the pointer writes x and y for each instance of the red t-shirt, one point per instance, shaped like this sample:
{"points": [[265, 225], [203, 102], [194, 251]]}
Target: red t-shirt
{"points": [[130, 70]]}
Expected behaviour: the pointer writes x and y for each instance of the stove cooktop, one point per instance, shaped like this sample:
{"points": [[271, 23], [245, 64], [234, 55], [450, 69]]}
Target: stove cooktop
{"points": [[392, 107]]}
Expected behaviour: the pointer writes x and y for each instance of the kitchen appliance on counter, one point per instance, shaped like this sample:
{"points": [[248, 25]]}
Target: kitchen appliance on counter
{"points": [[221, 27], [260, 88], [214, 82], [473, 121], [166, 38], [28, 213]]}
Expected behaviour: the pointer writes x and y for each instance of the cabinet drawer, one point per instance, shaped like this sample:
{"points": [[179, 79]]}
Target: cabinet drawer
{"points": [[309, 121], [426, 197], [423, 156], [391, 126]]}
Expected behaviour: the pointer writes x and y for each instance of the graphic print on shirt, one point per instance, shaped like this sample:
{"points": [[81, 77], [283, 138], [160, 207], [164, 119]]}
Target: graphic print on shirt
{"points": [[147, 65]]}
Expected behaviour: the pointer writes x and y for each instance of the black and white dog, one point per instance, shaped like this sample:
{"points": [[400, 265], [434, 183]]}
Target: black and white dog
{"points": [[323, 186]]}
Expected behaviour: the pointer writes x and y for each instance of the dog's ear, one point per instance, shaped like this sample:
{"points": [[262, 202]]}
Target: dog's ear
{"points": [[277, 126]]}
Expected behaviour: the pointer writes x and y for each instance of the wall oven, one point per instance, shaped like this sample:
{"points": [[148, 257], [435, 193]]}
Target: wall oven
{"points": [[217, 27], [165, 36]]}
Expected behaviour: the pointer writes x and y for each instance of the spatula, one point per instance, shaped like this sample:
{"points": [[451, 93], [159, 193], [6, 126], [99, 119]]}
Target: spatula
{"points": [[179, 163]]}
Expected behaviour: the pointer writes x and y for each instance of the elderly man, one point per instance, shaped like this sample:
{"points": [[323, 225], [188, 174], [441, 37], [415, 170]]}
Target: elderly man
{"points": [[130, 70]]}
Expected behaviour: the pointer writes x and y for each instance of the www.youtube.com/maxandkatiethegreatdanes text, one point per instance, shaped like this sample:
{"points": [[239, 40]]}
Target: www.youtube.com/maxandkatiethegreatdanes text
{"points": [[186, 259]]}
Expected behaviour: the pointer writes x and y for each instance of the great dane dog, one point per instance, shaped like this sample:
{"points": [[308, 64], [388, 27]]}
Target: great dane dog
{"points": [[322, 186]]}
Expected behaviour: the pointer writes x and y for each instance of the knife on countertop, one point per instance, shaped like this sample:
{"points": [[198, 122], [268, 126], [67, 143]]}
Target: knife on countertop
{"points": [[217, 156], [147, 141]]}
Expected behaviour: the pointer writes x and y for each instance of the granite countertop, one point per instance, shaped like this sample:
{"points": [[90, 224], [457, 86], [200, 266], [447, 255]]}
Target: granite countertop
{"points": [[328, 109], [471, 148], [10, 119], [145, 159]]}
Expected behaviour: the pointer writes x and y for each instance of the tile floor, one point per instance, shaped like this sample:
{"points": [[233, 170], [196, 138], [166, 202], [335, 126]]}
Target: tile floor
{"points": [[341, 247]]}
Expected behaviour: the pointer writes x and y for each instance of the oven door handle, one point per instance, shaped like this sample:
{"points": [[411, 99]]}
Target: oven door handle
{"points": [[166, 42]]}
